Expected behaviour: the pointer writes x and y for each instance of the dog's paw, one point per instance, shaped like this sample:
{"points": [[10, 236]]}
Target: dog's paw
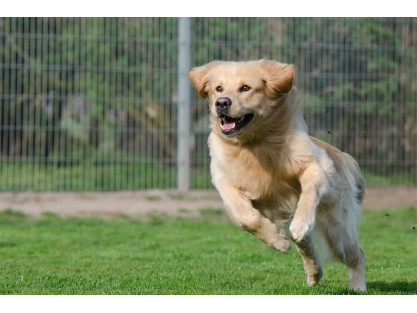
{"points": [[315, 277], [299, 230], [360, 286], [281, 244]]}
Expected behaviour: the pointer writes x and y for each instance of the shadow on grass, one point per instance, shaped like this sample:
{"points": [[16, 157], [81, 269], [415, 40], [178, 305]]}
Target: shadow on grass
{"points": [[399, 287], [382, 287]]}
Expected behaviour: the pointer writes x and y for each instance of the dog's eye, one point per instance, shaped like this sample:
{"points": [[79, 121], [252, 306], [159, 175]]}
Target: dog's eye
{"points": [[219, 88], [245, 88]]}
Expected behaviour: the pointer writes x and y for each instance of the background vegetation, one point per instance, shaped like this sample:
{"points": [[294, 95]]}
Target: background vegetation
{"points": [[84, 98]]}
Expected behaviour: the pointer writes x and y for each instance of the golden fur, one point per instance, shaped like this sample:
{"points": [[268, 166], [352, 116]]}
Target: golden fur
{"points": [[275, 180]]}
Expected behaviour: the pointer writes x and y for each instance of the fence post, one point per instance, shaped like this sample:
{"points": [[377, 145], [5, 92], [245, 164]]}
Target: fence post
{"points": [[184, 61]]}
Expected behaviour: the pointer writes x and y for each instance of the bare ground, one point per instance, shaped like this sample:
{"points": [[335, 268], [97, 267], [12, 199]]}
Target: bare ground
{"points": [[140, 204]]}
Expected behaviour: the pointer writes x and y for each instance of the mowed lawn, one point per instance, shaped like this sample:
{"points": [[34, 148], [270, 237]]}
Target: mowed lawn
{"points": [[163, 256]]}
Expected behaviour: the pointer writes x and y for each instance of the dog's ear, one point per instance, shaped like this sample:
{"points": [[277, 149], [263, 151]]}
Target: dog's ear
{"points": [[199, 77], [278, 78]]}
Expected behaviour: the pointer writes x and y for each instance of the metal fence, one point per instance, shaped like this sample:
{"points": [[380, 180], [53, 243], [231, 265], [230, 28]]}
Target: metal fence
{"points": [[92, 103]]}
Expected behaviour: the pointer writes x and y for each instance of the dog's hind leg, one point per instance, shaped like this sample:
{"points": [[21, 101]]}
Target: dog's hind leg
{"points": [[354, 258], [356, 272], [311, 261], [342, 243]]}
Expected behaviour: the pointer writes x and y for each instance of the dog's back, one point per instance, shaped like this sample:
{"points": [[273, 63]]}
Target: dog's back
{"points": [[342, 161]]}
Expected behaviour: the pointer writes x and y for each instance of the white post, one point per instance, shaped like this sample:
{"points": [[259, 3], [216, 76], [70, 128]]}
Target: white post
{"points": [[184, 61]]}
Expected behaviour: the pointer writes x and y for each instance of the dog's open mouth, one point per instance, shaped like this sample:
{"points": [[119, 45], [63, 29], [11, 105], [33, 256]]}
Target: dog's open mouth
{"points": [[231, 126]]}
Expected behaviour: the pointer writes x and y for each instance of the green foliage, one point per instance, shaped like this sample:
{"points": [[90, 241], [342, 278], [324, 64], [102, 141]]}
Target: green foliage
{"points": [[112, 84], [165, 256]]}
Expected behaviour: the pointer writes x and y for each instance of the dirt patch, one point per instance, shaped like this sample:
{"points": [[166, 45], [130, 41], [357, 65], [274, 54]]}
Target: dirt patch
{"points": [[137, 204], [140, 204], [385, 198]]}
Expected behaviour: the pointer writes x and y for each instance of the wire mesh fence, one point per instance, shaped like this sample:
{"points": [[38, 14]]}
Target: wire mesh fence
{"points": [[91, 103]]}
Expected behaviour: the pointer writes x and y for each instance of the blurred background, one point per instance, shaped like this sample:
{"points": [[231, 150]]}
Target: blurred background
{"points": [[91, 104]]}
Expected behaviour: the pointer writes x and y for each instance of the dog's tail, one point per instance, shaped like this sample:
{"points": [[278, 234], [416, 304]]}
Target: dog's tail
{"points": [[359, 180]]}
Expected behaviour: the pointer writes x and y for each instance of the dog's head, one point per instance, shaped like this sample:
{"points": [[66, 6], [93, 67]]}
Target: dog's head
{"points": [[241, 94]]}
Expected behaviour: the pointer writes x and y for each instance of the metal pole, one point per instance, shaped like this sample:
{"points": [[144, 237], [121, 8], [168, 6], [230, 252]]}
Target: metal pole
{"points": [[184, 60]]}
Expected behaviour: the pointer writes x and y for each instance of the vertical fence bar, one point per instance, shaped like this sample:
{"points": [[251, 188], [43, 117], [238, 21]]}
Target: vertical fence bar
{"points": [[184, 57]]}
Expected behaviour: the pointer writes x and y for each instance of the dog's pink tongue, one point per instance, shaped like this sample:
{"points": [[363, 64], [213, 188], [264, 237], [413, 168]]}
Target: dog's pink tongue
{"points": [[227, 126]]}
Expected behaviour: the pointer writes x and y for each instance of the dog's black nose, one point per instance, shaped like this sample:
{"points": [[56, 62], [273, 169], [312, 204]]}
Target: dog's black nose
{"points": [[223, 104]]}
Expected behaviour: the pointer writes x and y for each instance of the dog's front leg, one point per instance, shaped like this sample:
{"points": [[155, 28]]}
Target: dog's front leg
{"points": [[313, 186], [243, 214]]}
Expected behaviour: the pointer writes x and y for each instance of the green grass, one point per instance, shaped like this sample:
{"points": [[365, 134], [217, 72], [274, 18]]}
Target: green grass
{"points": [[395, 179], [52, 255], [121, 174]]}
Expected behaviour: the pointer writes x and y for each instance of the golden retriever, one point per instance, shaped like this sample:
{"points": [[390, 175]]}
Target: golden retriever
{"points": [[275, 180]]}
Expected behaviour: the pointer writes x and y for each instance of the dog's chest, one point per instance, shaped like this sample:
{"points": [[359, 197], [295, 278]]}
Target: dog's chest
{"points": [[255, 181], [263, 179]]}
